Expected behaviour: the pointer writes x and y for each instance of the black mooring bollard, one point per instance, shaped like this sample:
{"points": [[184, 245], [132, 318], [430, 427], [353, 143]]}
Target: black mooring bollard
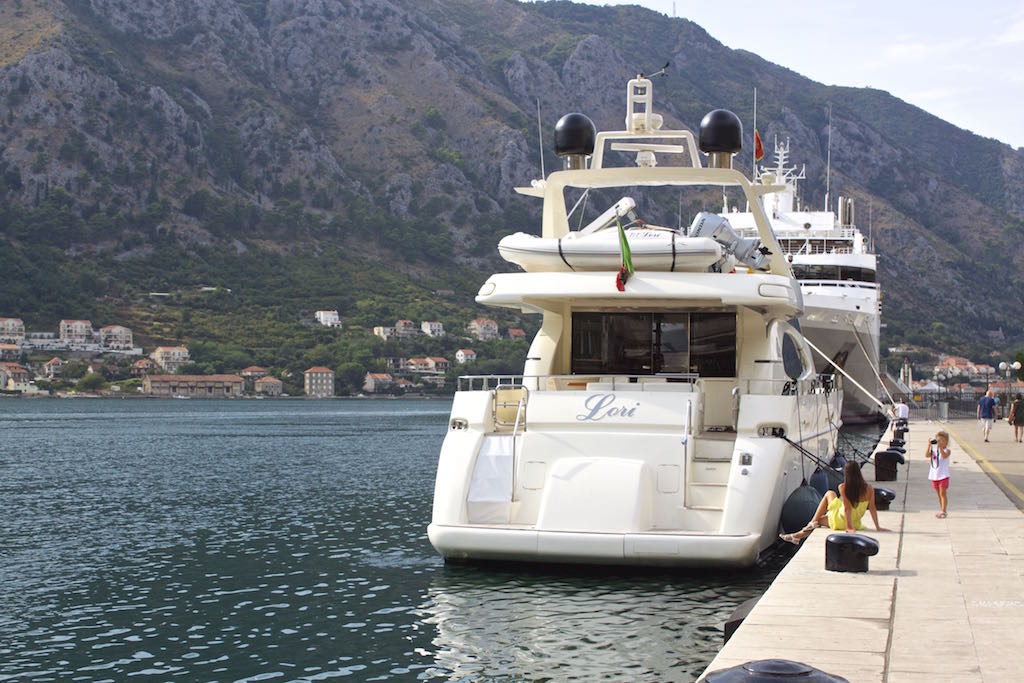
{"points": [[767, 670], [849, 552]]}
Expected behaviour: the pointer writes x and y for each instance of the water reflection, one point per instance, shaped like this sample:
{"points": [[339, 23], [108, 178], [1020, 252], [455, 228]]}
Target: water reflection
{"points": [[517, 625]]}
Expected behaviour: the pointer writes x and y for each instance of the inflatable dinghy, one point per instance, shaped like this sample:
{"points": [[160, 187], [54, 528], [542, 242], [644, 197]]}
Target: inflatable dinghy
{"points": [[659, 249]]}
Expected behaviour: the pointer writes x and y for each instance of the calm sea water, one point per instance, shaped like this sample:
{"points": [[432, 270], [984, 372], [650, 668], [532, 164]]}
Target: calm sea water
{"points": [[286, 540]]}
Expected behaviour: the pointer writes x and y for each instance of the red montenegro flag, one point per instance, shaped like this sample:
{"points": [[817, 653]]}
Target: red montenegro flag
{"points": [[758, 147]]}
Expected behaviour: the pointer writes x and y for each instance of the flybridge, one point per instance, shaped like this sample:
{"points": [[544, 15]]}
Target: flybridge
{"points": [[587, 168]]}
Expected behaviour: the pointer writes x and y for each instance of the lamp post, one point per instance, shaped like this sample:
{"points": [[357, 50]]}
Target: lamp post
{"points": [[1010, 369]]}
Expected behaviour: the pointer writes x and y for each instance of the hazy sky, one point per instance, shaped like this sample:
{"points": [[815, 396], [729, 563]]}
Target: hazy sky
{"points": [[962, 61]]}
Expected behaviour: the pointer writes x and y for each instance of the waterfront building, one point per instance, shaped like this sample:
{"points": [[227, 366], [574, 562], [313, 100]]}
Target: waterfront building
{"points": [[484, 329], [377, 381], [76, 332], [193, 386], [10, 352], [116, 337], [170, 358], [268, 386], [16, 377], [463, 356], [432, 328], [12, 330], [318, 382], [328, 318]]}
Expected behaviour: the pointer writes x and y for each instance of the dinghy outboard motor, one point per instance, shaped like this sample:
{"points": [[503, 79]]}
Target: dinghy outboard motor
{"points": [[574, 140], [721, 136], [747, 250]]}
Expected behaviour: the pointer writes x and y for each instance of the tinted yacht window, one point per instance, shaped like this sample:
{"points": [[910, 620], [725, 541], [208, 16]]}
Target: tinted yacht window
{"points": [[652, 343]]}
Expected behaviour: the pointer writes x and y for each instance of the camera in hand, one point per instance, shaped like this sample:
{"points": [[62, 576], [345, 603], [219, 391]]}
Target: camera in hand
{"points": [[934, 441]]}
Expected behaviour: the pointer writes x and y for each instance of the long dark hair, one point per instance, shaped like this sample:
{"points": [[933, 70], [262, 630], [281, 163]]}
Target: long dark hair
{"points": [[856, 487]]}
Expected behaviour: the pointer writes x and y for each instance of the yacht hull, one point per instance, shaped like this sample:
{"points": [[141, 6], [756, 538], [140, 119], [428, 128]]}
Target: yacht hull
{"points": [[634, 549], [598, 474]]}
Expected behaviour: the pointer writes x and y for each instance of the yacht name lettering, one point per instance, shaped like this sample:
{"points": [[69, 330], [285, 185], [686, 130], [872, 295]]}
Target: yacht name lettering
{"points": [[600, 406]]}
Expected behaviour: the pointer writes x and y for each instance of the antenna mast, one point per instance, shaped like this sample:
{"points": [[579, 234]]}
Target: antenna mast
{"points": [[753, 148], [540, 137], [828, 161]]}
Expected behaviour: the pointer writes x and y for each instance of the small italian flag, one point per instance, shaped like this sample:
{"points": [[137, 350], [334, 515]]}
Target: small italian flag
{"points": [[627, 259]]}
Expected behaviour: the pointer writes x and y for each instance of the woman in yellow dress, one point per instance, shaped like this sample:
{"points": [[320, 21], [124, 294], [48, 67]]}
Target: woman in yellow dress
{"points": [[842, 512]]}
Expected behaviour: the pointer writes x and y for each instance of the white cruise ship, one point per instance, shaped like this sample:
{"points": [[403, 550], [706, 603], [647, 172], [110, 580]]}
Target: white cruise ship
{"points": [[836, 268]]}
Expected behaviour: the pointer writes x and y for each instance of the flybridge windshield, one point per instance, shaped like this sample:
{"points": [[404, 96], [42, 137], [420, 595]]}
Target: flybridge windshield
{"points": [[653, 343]]}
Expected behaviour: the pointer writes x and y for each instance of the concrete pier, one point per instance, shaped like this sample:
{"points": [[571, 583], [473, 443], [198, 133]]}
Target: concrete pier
{"points": [[942, 601]]}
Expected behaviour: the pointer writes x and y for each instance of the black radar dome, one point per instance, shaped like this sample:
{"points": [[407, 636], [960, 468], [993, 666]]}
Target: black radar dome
{"points": [[721, 131], [575, 135]]}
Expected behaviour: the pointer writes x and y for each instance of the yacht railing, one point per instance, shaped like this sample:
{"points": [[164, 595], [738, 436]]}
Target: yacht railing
{"points": [[571, 382], [859, 284], [794, 232], [824, 383]]}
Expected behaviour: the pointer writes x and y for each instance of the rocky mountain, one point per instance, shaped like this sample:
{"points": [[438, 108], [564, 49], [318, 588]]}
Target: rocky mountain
{"points": [[287, 149]]}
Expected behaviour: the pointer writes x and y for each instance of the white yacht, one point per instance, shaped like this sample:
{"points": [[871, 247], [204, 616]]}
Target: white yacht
{"points": [[663, 416], [836, 268]]}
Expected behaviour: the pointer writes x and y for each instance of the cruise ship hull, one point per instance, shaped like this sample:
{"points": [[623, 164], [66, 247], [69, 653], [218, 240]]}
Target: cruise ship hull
{"points": [[845, 329]]}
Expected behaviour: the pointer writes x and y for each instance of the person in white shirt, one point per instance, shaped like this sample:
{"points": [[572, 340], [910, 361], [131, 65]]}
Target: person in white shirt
{"points": [[902, 410], [938, 469]]}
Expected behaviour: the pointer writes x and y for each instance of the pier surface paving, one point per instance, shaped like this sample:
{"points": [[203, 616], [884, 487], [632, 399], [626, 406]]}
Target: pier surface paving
{"points": [[942, 601]]}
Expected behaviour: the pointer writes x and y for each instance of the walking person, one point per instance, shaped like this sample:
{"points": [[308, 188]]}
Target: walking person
{"points": [[986, 412], [938, 468], [1016, 417]]}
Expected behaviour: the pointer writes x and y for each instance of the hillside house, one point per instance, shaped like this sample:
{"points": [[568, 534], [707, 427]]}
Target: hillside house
{"points": [[10, 352], [318, 382], [170, 358], [418, 365], [438, 364], [377, 381], [483, 329], [76, 332], [432, 328], [12, 330], [328, 318], [405, 328], [142, 367], [384, 332], [463, 356], [53, 367], [516, 333], [254, 372], [116, 337]]}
